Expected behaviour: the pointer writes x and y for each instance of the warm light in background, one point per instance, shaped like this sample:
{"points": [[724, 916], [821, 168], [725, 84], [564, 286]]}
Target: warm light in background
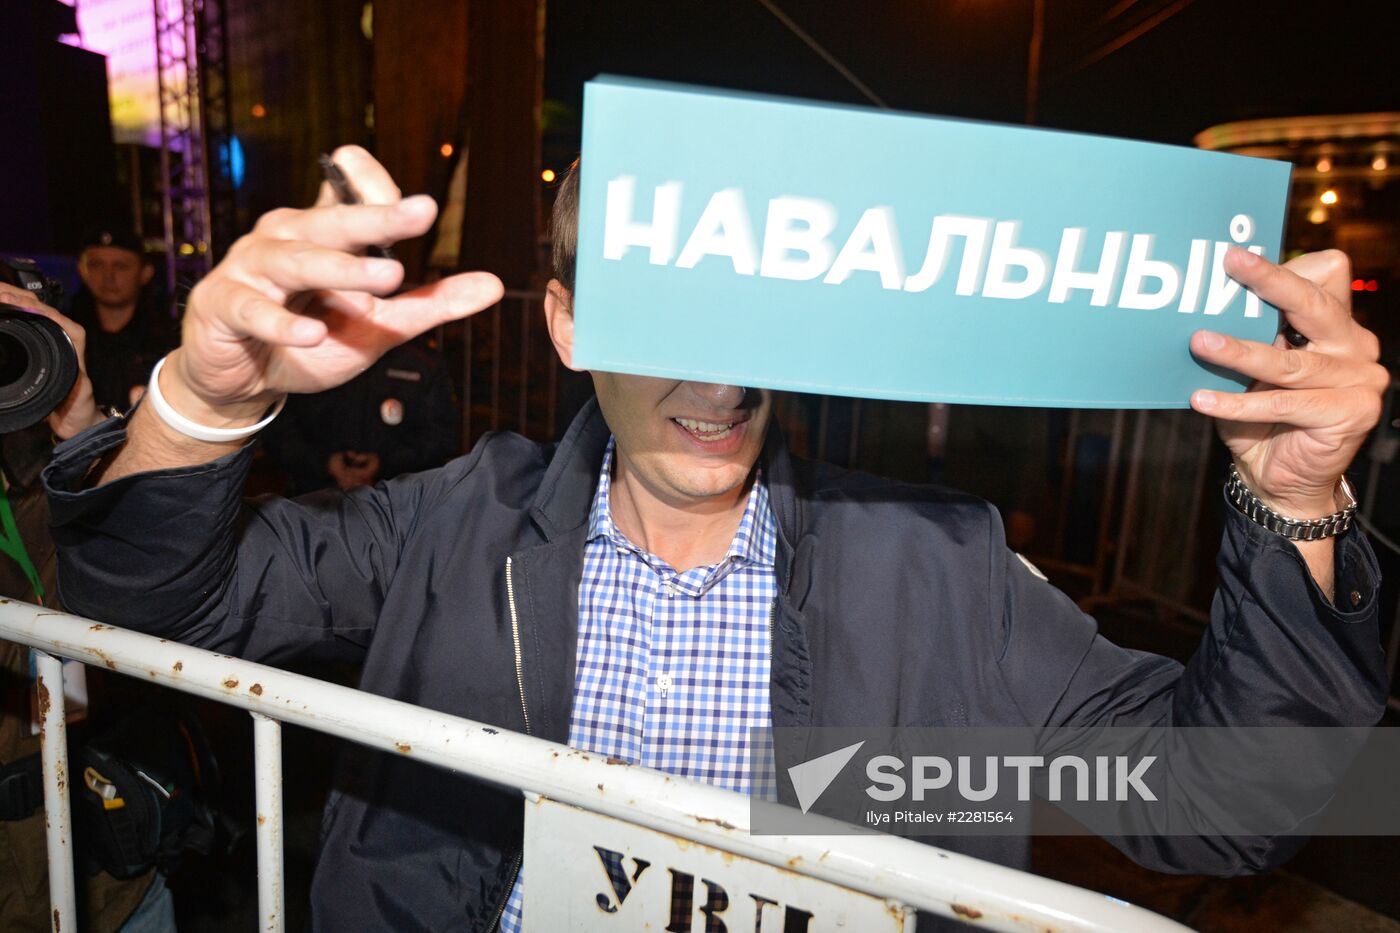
{"points": [[1380, 163], [1365, 285], [547, 175], [1324, 165], [446, 150], [1318, 215], [258, 111], [1329, 196]]}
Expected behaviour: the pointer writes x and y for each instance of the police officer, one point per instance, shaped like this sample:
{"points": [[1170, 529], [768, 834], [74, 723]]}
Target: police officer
{"points": [[117, 305], [398, 416]]}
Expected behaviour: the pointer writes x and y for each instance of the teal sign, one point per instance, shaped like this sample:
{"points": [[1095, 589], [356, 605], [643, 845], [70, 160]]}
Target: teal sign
{"points": [[790, 245]]}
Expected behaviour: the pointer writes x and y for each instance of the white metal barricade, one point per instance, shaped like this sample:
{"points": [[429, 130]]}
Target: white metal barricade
{"points": [[904, 875]]}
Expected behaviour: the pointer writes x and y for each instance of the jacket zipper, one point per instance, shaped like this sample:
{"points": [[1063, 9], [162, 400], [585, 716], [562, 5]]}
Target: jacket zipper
{"points": [[515, 638], [514, 876], [524, 711], [772, 625]]}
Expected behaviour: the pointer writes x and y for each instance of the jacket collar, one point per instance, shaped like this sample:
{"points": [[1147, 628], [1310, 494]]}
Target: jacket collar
{"points": [[565, 495]]}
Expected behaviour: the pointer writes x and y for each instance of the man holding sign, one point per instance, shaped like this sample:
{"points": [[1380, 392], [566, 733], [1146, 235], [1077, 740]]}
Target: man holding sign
{"points": [[668, 576]]}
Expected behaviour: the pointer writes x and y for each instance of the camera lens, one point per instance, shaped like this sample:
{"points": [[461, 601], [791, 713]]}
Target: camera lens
{"points": [[13, 360], [37, 368]]}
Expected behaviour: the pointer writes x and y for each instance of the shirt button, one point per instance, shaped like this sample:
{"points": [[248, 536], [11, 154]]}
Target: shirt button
{"points": [[1356, 597], [671, 588], [664, 683]]}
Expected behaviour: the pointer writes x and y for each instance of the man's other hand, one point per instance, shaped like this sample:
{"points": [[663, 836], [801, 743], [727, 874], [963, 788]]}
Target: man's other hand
{"points": [[78, 411], [296, 307], [1299, 425], [351, 468]]}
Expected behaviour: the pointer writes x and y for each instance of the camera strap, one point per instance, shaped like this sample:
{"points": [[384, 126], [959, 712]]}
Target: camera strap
{"points": [[12, 545]]}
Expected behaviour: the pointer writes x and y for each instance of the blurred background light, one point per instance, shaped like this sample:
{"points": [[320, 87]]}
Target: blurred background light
{"points": [[124, 31], [237, 162]]}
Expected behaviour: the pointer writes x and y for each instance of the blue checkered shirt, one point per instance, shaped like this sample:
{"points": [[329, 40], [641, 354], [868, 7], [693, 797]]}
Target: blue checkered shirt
{"points": [[672, 667]]}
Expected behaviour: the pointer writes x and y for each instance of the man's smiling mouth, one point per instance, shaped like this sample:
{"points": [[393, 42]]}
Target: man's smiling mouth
{"points": [[708, 431]]}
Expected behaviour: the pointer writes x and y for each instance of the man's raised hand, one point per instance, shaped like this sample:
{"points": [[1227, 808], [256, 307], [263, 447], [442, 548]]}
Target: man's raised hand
{"points": [[296, 307], [1308, 410]]}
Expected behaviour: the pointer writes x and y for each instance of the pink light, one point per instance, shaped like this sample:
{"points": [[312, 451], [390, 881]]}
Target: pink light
{"points": [[124, 31]]}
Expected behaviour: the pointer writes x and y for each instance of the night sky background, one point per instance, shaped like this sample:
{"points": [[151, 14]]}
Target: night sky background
{"points": [[1204, 62]]}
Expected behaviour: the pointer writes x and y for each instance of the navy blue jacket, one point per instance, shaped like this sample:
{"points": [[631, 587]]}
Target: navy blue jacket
{"points": [[898, 605]]}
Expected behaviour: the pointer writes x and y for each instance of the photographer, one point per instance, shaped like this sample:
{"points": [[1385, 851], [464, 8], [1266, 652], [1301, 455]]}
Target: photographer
{"points": [[27, 572], [24, 452]]}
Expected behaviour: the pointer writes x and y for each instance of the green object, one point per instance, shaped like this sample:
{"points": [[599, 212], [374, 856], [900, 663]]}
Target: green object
{"points": [[12, 545]]}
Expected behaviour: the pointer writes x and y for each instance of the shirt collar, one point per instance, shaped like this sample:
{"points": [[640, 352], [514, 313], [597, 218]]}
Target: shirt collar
{"points": [[755, 543]]}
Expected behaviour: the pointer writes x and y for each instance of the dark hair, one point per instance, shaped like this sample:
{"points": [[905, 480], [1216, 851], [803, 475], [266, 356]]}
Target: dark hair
{"points": [[563, 228]]}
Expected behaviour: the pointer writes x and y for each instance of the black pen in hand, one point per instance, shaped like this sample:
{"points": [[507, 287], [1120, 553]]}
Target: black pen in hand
{"points": [[345, 194]]}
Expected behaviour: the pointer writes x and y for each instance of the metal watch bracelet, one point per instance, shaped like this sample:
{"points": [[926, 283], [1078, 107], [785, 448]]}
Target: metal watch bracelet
{"points": [[1312, 529]]}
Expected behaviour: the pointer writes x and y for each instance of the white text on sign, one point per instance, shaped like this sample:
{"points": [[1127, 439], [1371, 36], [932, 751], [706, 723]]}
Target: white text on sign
{"points": [[798, 245]]}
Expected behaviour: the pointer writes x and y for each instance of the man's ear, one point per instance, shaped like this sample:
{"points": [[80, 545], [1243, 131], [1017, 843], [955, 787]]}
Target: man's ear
{"points": [[147, 272], [559, 318]]}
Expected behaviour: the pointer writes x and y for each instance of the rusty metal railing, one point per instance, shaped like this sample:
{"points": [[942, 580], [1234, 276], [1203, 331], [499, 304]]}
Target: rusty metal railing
{"points": [[903, 872]]}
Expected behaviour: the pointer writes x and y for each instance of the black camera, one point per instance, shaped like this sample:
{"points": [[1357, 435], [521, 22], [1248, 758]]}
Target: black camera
{"points": [[38, 363]]}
